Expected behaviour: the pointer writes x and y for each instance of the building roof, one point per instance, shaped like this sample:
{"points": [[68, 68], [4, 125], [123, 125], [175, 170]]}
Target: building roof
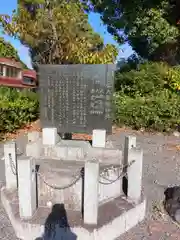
{"points": [[29, 73], [10, 62]]}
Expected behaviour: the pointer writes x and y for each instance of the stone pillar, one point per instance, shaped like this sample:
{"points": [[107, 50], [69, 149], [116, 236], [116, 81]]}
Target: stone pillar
{"points": [[135, 174], [91, 190], [99, 138], [130, 142], [50, 136], [33, 136], [34, 145], [10, 160], [27, 187]]}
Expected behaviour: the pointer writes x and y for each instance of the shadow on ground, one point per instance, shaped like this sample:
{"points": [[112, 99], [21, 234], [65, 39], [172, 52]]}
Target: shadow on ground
{"points": [[57, 226]]}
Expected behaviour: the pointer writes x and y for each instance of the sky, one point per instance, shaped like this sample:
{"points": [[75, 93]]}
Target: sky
{"points": [[94, 19]]}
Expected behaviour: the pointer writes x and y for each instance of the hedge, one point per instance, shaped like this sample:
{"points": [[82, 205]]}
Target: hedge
{"points": [[17, 109], [148, 97], [159, 111]]}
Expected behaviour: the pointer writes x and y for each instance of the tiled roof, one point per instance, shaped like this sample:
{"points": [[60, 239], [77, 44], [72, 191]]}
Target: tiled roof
{"points": [[10, 62]]}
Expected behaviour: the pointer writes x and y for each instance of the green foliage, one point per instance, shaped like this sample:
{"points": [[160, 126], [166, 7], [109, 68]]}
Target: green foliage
{"points": [[173, 78], [7, 50], [57, 32], [151, 27], [159, 111], [148, 97], [17, 109], [147, 78], [144, 80]]}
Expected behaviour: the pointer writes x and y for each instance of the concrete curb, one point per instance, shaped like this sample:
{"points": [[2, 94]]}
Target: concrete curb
{"points": [[110, 231]]}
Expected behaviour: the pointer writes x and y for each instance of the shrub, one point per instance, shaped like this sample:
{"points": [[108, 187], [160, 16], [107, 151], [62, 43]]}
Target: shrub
{"points": [[173, 78], [147, 78], [17, 109], [158, 111]]}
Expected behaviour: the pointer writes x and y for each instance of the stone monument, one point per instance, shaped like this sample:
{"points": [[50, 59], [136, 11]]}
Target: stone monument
{"points": [[76, 98], [86, 178]]}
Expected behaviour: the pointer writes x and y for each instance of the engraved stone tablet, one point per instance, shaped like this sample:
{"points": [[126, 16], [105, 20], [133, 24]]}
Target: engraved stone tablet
{"points": [[76, 98]]}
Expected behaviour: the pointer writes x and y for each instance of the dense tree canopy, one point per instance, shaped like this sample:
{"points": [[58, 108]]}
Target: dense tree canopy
{"points": [[151, 27], [57, 32], [7, 50]]}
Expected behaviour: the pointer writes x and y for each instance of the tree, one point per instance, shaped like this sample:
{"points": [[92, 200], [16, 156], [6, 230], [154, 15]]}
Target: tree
{"points": [[151, 27], [57, 32], [7, 50]]}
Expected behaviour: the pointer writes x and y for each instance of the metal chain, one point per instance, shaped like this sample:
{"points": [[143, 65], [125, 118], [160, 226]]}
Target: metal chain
{"points": [[14, 171], [12, 165], [76, 179], [121, 175]]}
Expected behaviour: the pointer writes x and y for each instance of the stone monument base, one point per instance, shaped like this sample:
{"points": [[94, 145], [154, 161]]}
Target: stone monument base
{"points": [[60, 173], [114, 218]]}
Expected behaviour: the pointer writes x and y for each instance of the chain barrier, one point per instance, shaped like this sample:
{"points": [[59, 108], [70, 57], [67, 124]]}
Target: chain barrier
{"points": [[77, 177], [12, 165], [121, 175]]}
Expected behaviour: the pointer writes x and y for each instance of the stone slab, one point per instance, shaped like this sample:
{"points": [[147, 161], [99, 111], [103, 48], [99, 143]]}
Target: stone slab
{"points": [[59, 152], [34, 148], [76, 98], [67, 166], [72, 150], [108, 155], [33, 136], [67, 150], [76, 150], [115, 218]]}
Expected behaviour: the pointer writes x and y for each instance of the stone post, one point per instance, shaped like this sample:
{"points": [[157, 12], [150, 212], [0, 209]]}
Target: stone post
{"points": [[135, 174], [99, 138], [34, 145], [33, 136], [91, 190], [130, 142], [10, 160], [27, 187], [50, 136]]}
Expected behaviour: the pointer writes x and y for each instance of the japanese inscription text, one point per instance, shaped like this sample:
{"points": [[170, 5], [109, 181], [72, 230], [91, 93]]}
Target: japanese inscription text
{"points": [[76, 98]]}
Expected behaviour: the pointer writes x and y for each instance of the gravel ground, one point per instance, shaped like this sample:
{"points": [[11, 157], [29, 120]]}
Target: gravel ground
{"points": [[161, 163]]}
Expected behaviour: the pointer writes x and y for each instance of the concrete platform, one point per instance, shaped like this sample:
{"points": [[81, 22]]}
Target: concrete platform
{"points": [[66, 150], [115, 218]]}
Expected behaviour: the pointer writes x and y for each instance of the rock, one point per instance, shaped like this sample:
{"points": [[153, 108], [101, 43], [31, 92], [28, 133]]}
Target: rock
{"points": [[176, 134], [172, 202], [177, 215]]}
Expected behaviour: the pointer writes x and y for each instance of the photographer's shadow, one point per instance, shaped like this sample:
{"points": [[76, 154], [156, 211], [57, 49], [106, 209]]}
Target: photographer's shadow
{"points": [[57, 226]]}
